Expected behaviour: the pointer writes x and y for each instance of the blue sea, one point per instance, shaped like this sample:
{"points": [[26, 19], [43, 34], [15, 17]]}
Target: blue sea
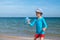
{"points": [[16, 26]]}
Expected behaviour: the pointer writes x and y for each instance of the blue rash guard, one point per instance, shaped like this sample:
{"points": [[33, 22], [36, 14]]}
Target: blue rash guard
{"points": [[40, 24]]}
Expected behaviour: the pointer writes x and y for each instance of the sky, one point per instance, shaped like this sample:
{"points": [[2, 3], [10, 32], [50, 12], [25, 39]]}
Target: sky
{"points": [[23, 8]]}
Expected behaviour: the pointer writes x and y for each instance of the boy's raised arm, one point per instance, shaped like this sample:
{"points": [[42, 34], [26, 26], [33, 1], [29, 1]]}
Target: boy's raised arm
{"points": [[31, 23]]}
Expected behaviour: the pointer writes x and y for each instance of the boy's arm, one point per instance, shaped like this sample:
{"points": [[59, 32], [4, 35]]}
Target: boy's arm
{"points": [[31, 23], [45, 24]]}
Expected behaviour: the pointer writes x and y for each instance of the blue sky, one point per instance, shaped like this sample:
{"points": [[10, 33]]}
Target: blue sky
{"points": [[22, 8]]}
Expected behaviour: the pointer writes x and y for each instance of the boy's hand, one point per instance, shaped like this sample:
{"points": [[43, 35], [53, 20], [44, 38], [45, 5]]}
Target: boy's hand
{"points": [[28, 21], [44, 29]]}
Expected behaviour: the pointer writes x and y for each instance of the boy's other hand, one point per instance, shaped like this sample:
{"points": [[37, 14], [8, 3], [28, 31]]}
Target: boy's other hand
{"points": [[44, 29]]}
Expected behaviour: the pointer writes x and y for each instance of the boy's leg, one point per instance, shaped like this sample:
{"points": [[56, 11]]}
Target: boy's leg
{"points": [[36, 36], [42, 36]]}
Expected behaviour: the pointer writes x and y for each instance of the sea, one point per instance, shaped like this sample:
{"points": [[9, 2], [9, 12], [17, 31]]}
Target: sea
{"points": [[16, 26]]}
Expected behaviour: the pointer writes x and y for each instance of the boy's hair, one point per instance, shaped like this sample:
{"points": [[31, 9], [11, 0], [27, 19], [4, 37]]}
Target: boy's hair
{"points": [[39, 13]]}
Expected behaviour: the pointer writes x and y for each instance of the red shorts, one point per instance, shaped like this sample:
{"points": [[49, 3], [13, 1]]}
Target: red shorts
{"points": [[39, 35]]}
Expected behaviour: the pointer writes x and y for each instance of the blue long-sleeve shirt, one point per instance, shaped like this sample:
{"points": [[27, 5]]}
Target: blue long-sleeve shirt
{"points": [[40, 24]]}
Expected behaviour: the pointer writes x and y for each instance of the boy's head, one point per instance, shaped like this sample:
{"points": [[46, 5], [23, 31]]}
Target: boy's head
{"points": [[38, 13]]}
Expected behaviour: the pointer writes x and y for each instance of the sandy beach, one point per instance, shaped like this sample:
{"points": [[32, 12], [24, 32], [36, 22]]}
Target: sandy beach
{"points": [[6, 37]]}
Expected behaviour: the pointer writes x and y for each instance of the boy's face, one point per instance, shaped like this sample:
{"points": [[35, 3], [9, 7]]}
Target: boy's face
{"points": [[38, 14]]}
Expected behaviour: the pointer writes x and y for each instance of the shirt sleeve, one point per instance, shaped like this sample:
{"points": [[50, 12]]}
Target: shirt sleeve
{"points": [[32, 23], [44, 22]]}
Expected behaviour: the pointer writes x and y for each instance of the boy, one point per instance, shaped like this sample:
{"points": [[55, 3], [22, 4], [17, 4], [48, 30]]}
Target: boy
{"points": [[40, 25]]}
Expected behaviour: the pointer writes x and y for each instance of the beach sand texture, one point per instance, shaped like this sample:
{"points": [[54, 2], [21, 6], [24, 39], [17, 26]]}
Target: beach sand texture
{"points": [[5, 37]]}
